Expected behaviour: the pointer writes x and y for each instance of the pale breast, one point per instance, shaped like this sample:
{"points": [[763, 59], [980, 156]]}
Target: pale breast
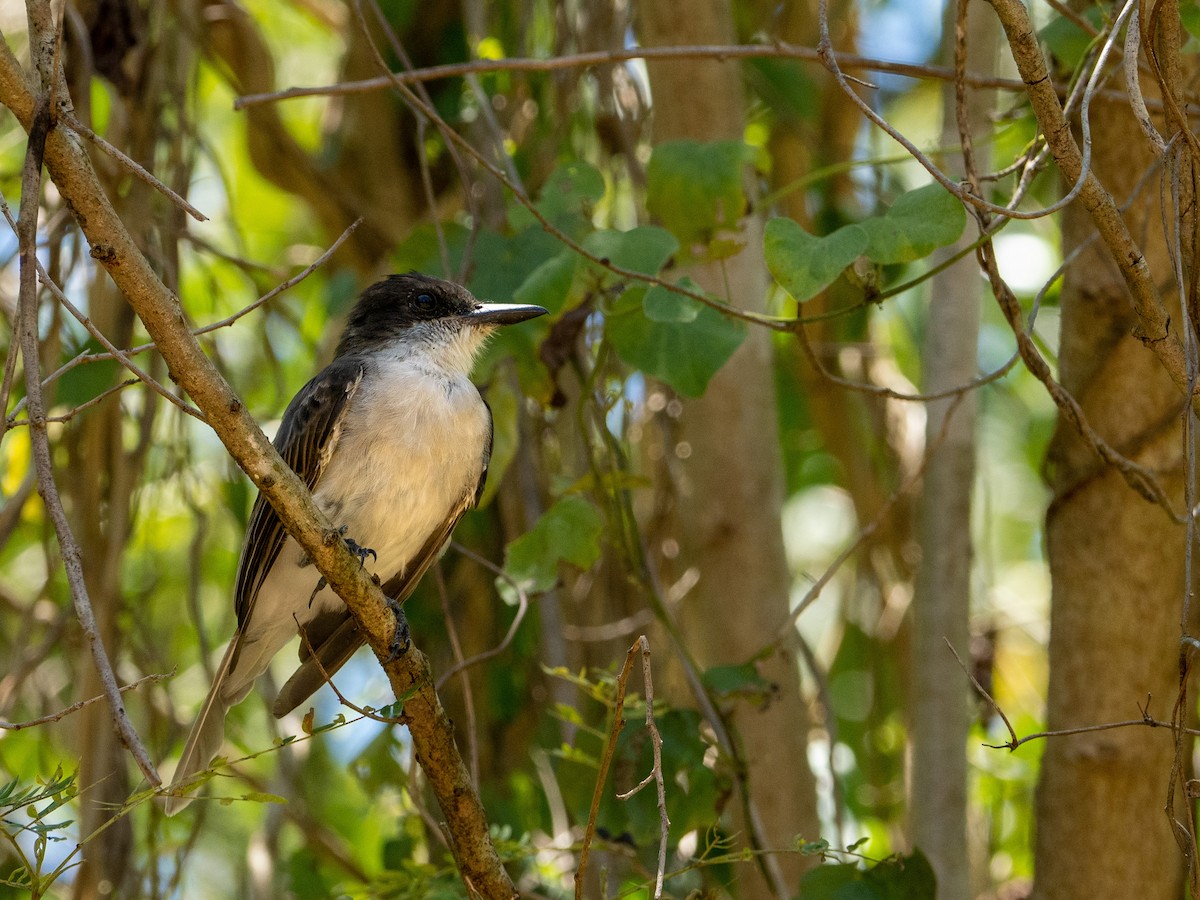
{"points": [[412, 445]]}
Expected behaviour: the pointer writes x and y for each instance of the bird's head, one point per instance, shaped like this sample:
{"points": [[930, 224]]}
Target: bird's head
{"points": [[416, 313]]}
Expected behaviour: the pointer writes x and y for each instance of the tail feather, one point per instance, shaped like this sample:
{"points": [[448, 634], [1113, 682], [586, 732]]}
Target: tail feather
{"points": [[207, 734], [326, 658]]}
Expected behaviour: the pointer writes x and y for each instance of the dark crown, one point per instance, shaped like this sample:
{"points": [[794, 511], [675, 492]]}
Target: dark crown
{"points": [[397, 303]]}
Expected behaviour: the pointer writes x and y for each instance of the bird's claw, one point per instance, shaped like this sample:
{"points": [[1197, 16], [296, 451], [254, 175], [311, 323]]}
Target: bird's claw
{"points": [[361, 552], [321, 585], [401, 636]]}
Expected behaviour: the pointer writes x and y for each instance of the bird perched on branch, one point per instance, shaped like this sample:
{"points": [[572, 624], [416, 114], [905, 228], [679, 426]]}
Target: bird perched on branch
{"points": [[393, 440]]}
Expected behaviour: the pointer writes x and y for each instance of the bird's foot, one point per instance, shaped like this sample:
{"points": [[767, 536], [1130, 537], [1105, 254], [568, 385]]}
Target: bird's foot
{"points": [[401, 636], [361, 552], [321, 585]]}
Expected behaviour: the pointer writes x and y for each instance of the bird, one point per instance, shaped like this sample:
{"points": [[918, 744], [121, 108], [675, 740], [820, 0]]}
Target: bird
{"points": [[393, 439]]}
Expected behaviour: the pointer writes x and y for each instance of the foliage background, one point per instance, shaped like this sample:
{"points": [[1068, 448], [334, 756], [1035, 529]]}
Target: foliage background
{"points": [[588, 503]]}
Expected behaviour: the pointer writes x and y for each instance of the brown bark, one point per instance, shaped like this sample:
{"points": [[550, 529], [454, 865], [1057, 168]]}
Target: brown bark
{"points": [[162, 314], [1116, 564], [941, 709], [732, 486]]}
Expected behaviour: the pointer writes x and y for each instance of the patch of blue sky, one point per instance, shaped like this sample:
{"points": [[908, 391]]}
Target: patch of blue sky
{"points": [[902, 31]]}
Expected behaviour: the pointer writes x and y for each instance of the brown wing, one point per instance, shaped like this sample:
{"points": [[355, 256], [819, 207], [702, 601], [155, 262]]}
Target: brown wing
{"points": [[332, 638], [306, 439]]}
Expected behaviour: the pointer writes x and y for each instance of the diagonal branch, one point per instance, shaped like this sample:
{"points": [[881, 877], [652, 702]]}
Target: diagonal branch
{"points": [[1154, 322], [162, 315], [40, 126]]}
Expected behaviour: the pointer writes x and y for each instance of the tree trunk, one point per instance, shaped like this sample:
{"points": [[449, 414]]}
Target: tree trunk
{"points": [[941, 709], [1116, 565], [732, 491]]}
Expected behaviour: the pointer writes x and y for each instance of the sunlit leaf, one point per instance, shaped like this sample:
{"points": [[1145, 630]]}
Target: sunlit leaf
{"points": [[662, 305], [569, 532], [645, 249], [917, 224], [805, 264]]}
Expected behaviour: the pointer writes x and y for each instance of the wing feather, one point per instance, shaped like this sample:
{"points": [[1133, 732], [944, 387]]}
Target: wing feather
{"points": [[334, 637], [307, 437]]}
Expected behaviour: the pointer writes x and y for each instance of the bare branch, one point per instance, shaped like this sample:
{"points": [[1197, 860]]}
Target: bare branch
{"points": [[76, 707], [40, 124], [778, 49], [610, 747], [1153, 320], [161, 313], [138, 170], [656, 772]]}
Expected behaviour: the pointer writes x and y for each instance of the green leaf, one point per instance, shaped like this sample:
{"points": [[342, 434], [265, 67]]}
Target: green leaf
{"points": [[684, 354], [573, 187], [1066, 40], [695, 188], [744, 679], [786, 88], [549, 285], [837, 881], [904, 877], [420, 251], [502, 264], [262, 797], [86, 381], [662, 305], [917, 224], [895, 878], [569, 531], [304, 877], [645, 249], [805, 264], [1189, 16]]}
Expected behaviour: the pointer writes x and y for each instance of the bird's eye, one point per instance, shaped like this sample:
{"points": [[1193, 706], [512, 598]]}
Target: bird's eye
{"points": [[426, 303]]}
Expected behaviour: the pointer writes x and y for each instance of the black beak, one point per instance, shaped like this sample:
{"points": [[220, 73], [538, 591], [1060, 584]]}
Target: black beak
{"points": [[503, 313]]}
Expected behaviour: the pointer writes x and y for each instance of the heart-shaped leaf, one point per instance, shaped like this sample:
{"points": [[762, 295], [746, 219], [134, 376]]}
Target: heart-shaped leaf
{"points": [[679, 340], [805, 264], [917, 224]]}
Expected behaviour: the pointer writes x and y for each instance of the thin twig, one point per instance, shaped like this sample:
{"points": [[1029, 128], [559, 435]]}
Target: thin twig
{"points": [[84, 358], [778, 49], [656, 771], [39, 439], [121, 357], [1014, 742], [328, 678], [784, 633], [1153, 327], [522, 608], [137, 169], [589, 832], [275, 291], [966, 195], [76, 410], [75, 707], [1133, 84]]}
